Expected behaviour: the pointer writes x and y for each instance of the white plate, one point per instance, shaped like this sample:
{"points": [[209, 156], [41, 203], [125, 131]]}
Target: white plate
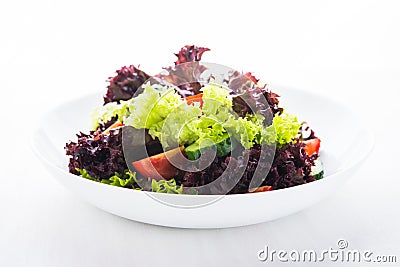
{"points": [[345, 144]]}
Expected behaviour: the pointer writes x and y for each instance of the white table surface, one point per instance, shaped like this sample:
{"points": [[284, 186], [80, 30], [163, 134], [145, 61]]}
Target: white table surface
{"points": [[51, 52]]}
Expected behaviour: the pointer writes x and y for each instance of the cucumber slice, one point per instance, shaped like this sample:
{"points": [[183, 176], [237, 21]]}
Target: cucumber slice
{"points": [[222, 148], [317, 171]]}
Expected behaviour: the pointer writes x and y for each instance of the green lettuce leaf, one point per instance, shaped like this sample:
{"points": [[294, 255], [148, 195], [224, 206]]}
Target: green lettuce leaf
{"points": [[216, 99], [105, 113], [154, 98], [86, 175], [246, 130], [164, 186], [127, 179], [177, 127], [153, 106], [286, 128]]}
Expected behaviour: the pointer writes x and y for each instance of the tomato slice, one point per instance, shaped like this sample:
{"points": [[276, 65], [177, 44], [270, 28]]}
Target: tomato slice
{"points": [[158, 167], [312, 146], [261, 189], [195, 99]]}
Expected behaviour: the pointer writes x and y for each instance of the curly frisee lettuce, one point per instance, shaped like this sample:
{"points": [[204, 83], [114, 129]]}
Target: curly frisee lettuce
{"points": [[172, 120]]}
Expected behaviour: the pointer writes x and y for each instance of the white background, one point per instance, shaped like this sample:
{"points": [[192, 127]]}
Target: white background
{"points": [[52, 51]]}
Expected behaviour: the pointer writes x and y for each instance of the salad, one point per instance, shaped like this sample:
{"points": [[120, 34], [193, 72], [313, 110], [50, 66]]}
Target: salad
{"points": [[193, 130]]}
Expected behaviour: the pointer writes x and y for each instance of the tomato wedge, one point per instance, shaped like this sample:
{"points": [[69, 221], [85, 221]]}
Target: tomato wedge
{"points": [[158, 167], [112, 127], [312, 146], [195, 99]]}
